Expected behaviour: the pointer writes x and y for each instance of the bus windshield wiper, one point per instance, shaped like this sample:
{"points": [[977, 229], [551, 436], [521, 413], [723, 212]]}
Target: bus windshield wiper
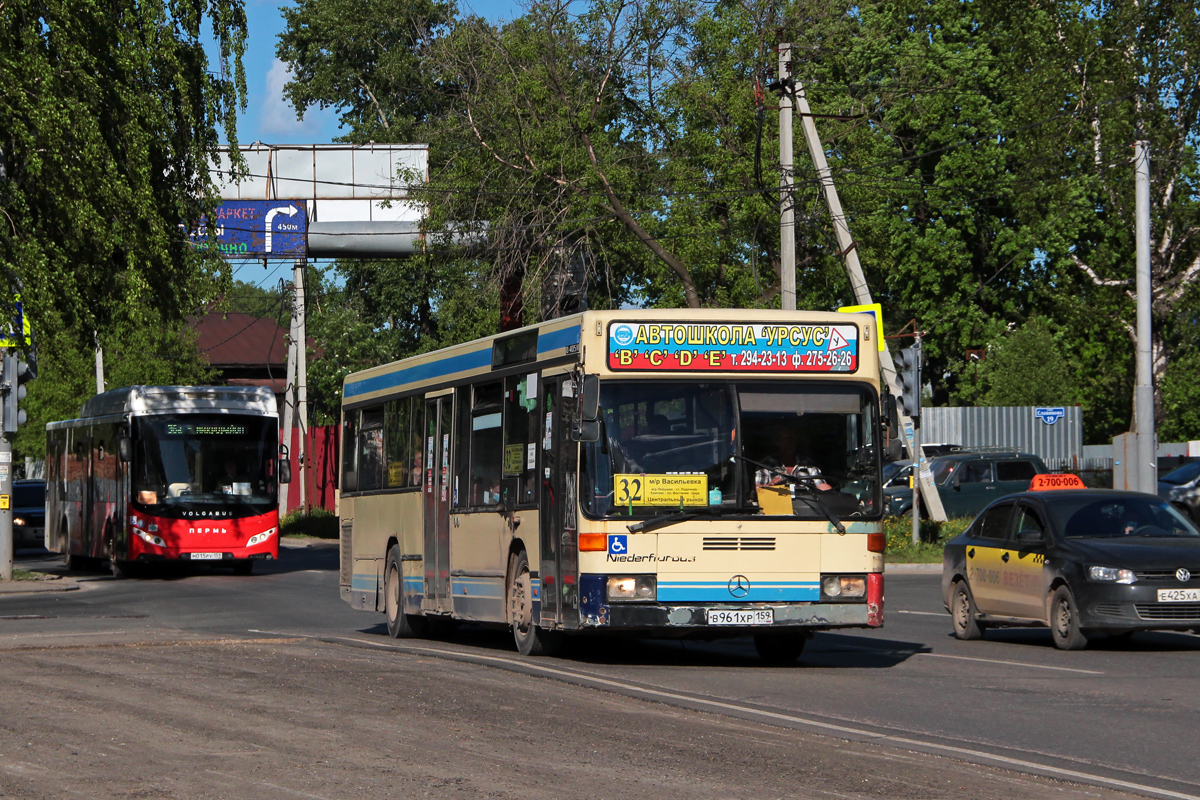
{"points": [[662, 521], [804, 482]]}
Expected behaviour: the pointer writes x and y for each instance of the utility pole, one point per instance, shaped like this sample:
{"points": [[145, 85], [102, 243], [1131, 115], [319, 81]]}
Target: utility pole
{"points": [[289, 404], [1143, 395], [99, 364], [787, 205], [6, 526], [862, 296], [301, 379]]}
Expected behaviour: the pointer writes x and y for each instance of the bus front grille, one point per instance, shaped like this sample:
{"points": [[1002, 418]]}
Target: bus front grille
{"points": [[739, 542]]}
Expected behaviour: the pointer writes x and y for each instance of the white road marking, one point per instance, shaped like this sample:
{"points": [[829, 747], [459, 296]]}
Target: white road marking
{"points": [[1011, 663], [923, 613], [793, 720]]}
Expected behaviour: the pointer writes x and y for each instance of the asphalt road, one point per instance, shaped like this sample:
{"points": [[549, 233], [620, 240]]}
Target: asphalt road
{"points": [[203, 684]]}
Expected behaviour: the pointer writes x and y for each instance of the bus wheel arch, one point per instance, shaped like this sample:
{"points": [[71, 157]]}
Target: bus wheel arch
{"points": [[399, 624], [530, 638]]}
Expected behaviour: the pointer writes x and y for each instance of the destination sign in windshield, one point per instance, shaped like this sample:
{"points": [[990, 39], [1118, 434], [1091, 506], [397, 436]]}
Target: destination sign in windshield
{"points": [[732, 347], [191, 429]]}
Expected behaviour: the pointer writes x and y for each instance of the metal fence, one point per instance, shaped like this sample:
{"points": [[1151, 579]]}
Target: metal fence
{"points": [[1054, 433]]}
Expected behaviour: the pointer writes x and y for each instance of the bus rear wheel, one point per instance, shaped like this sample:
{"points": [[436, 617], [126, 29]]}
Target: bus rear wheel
{"points": [[531, 640], [780, 649], [399, 624]]}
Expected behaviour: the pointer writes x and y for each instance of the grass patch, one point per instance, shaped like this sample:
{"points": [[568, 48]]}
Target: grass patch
{"points": [[317, 524], [26, 575], [902, 550]]}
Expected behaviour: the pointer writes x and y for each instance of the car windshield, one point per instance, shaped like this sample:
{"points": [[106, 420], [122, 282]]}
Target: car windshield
{"points": [[704, 447], [1119, 516], [210, 460], [29, 495], [1185, 474]]}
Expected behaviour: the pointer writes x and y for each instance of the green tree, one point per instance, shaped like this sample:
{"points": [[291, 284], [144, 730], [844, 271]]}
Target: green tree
{"points": [[365, 60], [1027, 367], [109, 114]]}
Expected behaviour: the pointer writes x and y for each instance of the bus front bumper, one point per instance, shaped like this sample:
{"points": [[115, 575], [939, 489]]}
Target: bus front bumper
{"points": [[818, 616]]}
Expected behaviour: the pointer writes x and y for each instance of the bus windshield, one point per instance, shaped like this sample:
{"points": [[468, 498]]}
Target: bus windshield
{"points": [[210, 460], [679, 446]]}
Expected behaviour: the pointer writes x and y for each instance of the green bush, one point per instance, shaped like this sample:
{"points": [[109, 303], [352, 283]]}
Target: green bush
{"points": [[902, 550], [317, 524]]}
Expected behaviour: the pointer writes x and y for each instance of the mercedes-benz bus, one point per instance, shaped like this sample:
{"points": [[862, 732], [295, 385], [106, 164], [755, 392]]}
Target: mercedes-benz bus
{"points": [[622, 472], [153, 474]]}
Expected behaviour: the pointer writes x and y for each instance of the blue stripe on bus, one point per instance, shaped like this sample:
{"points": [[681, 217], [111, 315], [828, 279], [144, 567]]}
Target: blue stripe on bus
{"points": [[714, 591], [422, 372], [557, 340], [361, 582]]}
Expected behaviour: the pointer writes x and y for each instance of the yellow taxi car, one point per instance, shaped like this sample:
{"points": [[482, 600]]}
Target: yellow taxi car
{"points": [[1076, 560]]}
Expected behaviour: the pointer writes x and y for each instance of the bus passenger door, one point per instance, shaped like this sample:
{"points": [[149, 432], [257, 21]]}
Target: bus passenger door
{"points": [[436, 492], [558, 514]]}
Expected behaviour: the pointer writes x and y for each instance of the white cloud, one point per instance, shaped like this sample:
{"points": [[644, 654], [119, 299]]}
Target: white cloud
{"points": [[276, 117]]}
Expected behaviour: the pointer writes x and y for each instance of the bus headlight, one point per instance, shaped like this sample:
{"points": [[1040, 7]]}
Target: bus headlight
{"points": [[628, 588], [259, 538], [844, 587], [18, 520], [149, 538]]}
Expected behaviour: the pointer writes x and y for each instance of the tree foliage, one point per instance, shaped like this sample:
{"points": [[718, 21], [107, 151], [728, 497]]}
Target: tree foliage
{"points": [[982, 152], [109, 113]]}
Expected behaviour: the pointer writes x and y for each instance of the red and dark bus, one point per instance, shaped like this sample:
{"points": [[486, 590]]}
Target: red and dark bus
{"points": [[152, 474]]}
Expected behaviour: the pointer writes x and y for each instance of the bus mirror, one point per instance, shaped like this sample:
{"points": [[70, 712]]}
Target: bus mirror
{"points": [[285, 464], [589, 401], [895, 450], [588, 431], [889, 411], [124, 449]]}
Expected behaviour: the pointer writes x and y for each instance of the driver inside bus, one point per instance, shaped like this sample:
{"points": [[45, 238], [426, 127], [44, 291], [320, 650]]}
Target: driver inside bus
{"points": [[233, 479], [790, 460]]}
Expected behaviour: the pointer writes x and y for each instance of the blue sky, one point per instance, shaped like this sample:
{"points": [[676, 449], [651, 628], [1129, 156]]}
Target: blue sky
{"points": [[268, 117]]}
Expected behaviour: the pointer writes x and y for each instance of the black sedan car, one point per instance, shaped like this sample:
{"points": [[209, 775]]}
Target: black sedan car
{"points": [[29, 514], [1077, 561]]}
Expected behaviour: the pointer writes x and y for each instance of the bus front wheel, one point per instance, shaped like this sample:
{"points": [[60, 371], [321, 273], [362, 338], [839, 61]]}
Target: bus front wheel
{"points": [[399, 624], [531, 639]]}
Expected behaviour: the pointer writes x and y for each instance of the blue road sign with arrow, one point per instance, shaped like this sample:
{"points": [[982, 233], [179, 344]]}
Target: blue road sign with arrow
{"points": [[256, 229]]}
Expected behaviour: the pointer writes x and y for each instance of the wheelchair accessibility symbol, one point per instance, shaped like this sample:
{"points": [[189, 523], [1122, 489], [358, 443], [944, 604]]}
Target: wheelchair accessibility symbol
{"points": [[618, 544]]}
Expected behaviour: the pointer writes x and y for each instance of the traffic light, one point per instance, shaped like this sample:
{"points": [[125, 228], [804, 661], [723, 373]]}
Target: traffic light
{"points": [[16, 374], [908, 374]]}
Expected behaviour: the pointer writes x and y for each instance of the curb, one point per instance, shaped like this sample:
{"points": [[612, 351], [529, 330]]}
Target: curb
{"points": [[42, 585]]}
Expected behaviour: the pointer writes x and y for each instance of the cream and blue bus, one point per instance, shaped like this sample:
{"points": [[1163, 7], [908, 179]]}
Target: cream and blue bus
{"points": [[652, 473]]}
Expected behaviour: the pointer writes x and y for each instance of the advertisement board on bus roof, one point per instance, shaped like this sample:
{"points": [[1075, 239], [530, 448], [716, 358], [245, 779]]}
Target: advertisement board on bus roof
{"points": [[732, 347]]}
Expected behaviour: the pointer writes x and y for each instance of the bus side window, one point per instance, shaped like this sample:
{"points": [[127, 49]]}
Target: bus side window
{"points": [[520, 437], [350, 451], [370, 451], [486, 451], [397, 441]]}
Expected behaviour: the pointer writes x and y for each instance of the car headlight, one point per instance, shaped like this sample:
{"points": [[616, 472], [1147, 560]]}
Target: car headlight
{"points": [[18, 520], [1111, 575], [843, 586], [149, 538], [630, 588], [259, 538]]}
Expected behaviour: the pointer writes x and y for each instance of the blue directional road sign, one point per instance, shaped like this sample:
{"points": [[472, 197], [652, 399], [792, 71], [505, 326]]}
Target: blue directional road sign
{"points": [[257, 229]]}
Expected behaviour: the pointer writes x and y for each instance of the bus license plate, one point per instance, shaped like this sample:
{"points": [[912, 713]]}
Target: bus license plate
{"points": [[1179, 595], [207, 556], [754, 616]]}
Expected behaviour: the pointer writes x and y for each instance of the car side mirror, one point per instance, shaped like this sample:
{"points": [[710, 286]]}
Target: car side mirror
{"points": [[1029, 537]]}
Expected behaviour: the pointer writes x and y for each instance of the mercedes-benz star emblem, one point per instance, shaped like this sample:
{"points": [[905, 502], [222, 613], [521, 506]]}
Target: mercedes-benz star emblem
{"points": [[739, 586], [1183, 575]]}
